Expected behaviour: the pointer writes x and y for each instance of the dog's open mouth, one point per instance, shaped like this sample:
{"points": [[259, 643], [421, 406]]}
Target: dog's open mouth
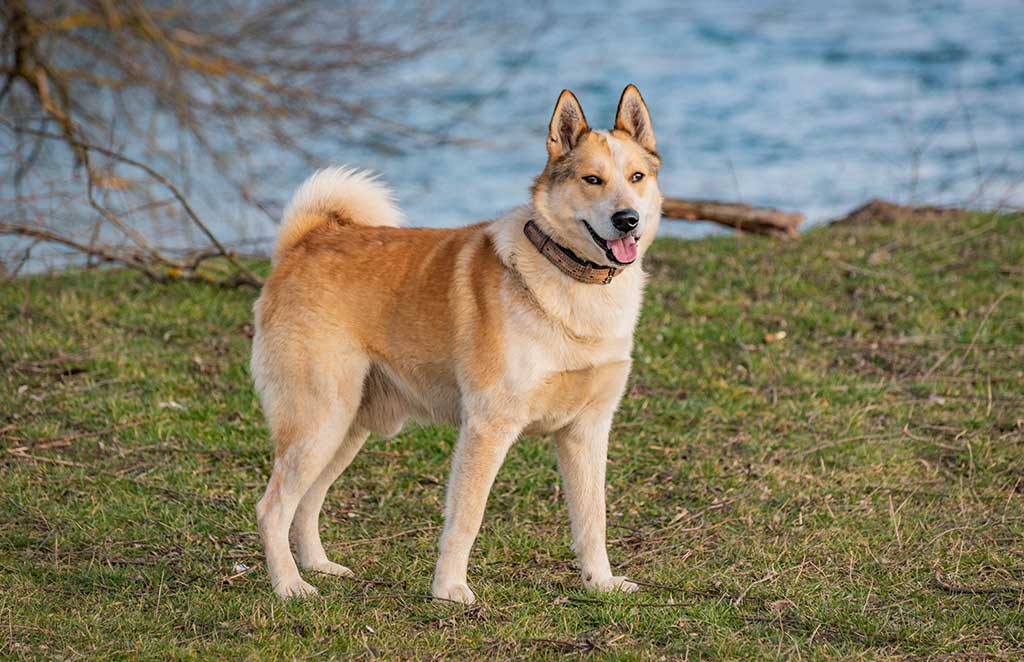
{"points": [[621, 251]]}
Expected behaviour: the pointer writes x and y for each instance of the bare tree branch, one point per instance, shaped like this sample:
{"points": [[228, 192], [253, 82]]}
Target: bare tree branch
{"points": [[244, 273], [209, 90]]}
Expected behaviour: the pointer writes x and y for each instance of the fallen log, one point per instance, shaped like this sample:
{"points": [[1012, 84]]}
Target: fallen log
{"points": [[745, 218]]}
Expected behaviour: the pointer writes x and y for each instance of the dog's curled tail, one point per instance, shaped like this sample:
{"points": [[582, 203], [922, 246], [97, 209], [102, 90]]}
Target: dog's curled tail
{"points": [[340, 193]]}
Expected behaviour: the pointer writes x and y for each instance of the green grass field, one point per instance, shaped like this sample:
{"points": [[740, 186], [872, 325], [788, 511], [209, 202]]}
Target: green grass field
{"points": [[850, 490]]}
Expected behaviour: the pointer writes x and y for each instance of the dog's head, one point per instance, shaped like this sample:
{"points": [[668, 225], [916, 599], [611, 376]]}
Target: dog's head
{"points": [[598, 195]]}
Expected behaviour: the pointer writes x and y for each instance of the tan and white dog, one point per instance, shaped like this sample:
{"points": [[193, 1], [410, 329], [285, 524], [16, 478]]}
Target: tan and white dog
{"points": [[521, 324]]}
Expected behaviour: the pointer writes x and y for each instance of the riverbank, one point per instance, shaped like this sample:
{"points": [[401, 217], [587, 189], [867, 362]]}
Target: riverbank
{"points": [[820, 452]]}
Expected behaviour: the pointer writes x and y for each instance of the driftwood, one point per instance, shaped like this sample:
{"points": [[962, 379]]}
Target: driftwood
{"points": [[883, 211], [756, 220]]}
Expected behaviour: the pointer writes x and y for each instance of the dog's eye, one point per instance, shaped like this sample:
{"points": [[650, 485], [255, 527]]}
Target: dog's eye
{"points": [[637, 176], [592, 179]]}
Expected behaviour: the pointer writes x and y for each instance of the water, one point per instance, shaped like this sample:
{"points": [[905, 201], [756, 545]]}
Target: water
{"points": [[797, 105], [787, 104]]}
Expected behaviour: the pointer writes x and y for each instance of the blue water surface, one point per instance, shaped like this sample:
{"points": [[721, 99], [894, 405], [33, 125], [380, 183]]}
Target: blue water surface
{"points": [[801, 104]]}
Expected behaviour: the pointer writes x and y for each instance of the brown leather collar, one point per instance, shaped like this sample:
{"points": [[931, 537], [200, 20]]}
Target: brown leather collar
{"points": [[568, 262]]}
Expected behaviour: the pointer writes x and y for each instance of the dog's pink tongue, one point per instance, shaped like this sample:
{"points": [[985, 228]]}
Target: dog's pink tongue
{"points": [[623, 249]]}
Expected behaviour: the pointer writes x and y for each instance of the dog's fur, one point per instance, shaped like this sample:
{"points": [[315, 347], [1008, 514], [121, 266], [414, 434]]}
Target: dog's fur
{"points": [[363, 324]]}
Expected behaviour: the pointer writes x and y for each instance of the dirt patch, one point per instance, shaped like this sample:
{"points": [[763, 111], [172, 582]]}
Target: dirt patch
{"points": [[885, 212]]}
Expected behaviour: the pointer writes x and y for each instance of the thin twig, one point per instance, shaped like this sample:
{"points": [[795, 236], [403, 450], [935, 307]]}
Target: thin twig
{"points": [[128, 259], [21, 454], [950, 587]]}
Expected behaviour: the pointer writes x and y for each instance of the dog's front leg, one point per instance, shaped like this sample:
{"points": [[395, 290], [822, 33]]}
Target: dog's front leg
{"points": [[480, 452], [582, 454]]}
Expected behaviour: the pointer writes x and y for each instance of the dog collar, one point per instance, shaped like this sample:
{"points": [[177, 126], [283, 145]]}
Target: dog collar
{"points": [[568, 262]]}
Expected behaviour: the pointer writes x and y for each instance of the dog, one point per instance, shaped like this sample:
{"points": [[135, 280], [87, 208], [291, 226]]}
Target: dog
{"points": [[523, 324]]}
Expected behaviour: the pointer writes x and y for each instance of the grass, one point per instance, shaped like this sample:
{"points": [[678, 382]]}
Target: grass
{"points": [[852, 490]]}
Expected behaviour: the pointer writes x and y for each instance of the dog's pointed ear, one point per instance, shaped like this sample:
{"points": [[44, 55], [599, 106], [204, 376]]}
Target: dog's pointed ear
{"points": [[633, 117], [567, 125]]}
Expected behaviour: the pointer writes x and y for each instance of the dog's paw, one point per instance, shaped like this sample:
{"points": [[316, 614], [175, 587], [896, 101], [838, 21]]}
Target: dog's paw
{"points": [[295, 590], [454, 592], [330, 568], [611, 585]]}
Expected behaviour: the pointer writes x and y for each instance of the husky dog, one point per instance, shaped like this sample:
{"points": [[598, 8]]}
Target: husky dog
{"points": [[523, 324]]}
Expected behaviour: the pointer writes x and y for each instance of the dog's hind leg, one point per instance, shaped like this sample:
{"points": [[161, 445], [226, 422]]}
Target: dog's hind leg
{"points": [[308, 433], [307, 517]]}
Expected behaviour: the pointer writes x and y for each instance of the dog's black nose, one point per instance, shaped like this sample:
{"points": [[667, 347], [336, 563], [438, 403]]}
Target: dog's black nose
{"points": [[626, 220]]}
